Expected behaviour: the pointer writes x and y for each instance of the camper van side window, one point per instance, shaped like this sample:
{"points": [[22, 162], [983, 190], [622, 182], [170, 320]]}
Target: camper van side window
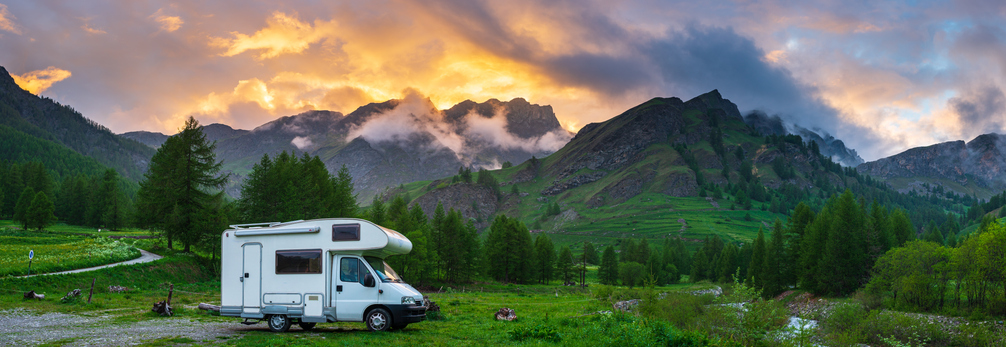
{"points": [[307, 261], [346, 232]]}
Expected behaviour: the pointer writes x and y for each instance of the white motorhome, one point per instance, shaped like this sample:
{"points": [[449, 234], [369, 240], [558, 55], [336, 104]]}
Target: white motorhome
{"points": [[316, 271]]}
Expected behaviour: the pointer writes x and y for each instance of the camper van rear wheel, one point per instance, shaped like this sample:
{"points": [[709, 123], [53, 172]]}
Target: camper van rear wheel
{"points": [[278, 323], [306, 326], [378, 319]]}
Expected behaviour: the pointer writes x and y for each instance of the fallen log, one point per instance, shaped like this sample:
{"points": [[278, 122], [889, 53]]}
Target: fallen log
{"points": [[208, 307], [33, 295]]}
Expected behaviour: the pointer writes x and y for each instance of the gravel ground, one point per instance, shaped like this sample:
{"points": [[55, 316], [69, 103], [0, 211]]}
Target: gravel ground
{"points": [[23, 327]]}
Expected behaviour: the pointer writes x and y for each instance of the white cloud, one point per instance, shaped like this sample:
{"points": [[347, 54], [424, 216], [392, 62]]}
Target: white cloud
{"points": [[302, 142]]}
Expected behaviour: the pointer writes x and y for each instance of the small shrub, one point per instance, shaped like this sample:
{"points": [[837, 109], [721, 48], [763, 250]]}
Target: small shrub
{"points": [[539, 331]]}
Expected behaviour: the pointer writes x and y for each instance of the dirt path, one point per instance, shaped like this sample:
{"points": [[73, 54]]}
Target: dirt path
{"points": [[145, 257], [23, 327]]}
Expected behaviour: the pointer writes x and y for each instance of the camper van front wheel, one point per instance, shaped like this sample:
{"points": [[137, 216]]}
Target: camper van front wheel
{"points": [[378, 319], [278, 323]]}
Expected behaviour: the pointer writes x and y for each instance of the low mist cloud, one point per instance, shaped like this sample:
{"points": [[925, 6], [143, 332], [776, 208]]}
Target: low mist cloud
{"points": [[301, 142], [415, 117], [493, 130]]}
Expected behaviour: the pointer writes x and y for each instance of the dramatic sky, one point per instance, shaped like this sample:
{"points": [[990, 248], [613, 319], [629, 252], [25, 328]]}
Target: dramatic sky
{"points": [[883, 76]]}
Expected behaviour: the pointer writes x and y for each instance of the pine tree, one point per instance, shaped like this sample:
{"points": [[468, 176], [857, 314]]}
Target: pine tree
{"points": [[564, 264], [173, 195], [344, 201], [40, 213], [544, 258], [509, 250], [901, 228], [608, 272], [378, 213], [590, 253], [757, 261], [773, 266], [727, 263], [844, 263], [22, 206], [700, 266], [113, 201], [795, 232]]}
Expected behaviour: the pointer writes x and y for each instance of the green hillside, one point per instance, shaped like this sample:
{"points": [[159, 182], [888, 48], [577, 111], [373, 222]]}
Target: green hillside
{"points": [[48, 120], [641, 173]]}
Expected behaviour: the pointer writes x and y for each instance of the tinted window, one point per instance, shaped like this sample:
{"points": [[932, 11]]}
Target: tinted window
{"points": [[298, 262], [346, 232], [352, 270]]}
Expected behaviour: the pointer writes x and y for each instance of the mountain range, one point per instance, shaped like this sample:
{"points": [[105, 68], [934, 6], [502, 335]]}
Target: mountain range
{"points": [[394, 142], [976, 167], [661, 150]]}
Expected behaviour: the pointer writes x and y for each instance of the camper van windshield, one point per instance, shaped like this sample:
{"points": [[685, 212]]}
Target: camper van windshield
{"points": [[384, 271]]}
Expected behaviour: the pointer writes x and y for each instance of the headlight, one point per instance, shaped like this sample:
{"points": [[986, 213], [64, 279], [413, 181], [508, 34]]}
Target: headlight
{"points": [[408, 300]]}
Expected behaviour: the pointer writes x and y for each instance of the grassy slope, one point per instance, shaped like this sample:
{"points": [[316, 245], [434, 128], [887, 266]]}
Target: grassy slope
{"points": [[652, 214]]}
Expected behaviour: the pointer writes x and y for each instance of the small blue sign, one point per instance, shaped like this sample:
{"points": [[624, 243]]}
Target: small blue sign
{"points": [[31, 254]]}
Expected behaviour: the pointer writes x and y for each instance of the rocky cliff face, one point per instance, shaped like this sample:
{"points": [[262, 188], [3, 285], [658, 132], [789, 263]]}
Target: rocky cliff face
{"points": [[980, 162], [829, 145]]}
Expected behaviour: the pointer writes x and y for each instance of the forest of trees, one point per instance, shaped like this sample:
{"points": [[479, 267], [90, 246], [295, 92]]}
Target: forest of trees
{"points": [[828, 252]]}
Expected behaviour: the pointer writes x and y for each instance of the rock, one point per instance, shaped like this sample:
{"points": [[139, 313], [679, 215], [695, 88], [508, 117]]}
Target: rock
{"points": [[714, 291], [71, 296], [506, 314], [626, 306], [117, 289]]}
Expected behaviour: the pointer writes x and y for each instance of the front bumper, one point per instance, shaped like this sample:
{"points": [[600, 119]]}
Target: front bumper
{"points": [[407, 313]]}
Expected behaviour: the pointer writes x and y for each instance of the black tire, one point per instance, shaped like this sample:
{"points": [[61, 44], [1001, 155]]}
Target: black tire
{"points": [[306, 326], [278, 322], [400, 326], [378, 319]]}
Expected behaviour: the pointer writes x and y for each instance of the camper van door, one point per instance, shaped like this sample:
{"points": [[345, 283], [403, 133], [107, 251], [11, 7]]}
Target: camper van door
{"points": [[351, 296], [251, 281]]}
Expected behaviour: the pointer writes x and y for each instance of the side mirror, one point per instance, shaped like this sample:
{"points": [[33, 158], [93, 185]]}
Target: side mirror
{"points": [[368, 280]]}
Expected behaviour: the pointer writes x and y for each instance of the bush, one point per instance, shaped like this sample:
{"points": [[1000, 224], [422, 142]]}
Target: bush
{"points": [[537, 332]]}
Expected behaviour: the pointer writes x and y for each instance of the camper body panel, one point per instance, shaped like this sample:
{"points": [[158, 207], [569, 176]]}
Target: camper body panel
{"points": [[295, 269]]}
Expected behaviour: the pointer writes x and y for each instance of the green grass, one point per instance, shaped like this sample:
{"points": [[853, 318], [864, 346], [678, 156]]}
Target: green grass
{"points": [[82, 230], [547, 314], [56, 252]]}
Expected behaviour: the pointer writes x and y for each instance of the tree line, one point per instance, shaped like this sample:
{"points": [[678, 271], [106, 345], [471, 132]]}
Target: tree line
{"points": [[828, 252]]}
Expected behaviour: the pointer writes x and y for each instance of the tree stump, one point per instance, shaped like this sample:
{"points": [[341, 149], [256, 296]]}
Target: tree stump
{"points": [[162, 308], [33, 295], [506, 314]]}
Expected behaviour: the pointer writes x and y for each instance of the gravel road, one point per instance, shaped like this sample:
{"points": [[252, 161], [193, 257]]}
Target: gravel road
{"points": [[145, 257], [23, 327]]}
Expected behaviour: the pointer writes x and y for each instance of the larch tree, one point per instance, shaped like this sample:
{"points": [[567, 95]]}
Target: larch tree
{"points": [[608, 272], [177, 193], [564, 264], [21, 208], [544, 258], [40, 212], [757, 261]]}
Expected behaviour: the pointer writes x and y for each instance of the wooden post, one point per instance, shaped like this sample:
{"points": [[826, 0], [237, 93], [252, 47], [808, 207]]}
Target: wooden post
{"points": [[171, 291], [91, 292]]}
